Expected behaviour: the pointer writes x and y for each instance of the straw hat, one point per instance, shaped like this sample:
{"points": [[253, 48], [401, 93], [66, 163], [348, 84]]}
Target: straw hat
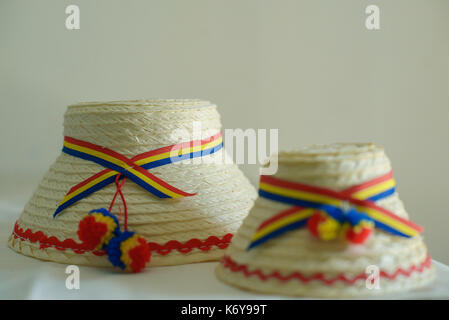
{"points": [[329, 223], [181, 202]]}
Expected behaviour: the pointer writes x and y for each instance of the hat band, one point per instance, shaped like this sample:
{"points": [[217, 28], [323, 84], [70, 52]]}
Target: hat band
{"points": [[324, 211], [133, 168]]}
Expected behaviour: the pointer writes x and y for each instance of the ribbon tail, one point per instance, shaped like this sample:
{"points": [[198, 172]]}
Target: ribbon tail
{"points": [[65, 204], [278, 232]]}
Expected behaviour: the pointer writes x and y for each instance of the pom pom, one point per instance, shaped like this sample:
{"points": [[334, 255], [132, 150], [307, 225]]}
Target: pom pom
{"points": [[97, 228], [360, 233], [128, 251], [323, 226], [358, 228], [136, 253]]}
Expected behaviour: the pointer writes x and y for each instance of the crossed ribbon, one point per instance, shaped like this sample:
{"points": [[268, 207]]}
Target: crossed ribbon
{"points": [[306, 200], [134, 168]]}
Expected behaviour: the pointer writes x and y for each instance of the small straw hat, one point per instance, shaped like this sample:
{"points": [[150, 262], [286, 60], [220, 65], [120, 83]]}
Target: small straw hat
{"points": [[329, 223], [136, 181]]}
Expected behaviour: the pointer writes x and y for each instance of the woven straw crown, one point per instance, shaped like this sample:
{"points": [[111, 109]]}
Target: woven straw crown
{"points": [[182, 230], [296, 263]]}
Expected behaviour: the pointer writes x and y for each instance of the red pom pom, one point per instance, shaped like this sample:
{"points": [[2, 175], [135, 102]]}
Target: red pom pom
{"points": [[359, 236], [140, 255], [91, 232], [97, 228], [313, 223]]}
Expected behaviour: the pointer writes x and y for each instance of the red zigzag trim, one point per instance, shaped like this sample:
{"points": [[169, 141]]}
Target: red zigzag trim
{"points": [[79, 248], [235, 267]]}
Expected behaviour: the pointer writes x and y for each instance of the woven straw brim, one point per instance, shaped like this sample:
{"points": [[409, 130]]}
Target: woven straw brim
{"points": [[89, 259], [317, 290], [297, 264]]}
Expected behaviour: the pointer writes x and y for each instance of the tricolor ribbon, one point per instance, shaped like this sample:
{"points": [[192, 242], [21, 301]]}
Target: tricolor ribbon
{"points": [[133, 168], [307, 200]]}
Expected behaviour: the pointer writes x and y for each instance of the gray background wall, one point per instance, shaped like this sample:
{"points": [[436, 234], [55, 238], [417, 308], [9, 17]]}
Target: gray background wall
{"points": [[309, 68]]}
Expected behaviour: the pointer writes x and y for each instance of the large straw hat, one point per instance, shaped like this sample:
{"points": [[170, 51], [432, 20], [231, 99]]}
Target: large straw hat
{"points": [[191, 220], [303, 238]]}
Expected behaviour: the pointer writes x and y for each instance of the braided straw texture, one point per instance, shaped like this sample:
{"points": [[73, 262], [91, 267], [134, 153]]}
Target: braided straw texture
{"points": [[337, 167], [224, 195]]}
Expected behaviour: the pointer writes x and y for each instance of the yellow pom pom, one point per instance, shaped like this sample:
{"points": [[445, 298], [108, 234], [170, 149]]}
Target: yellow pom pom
{"points": [[329, 229], [323, 226]]}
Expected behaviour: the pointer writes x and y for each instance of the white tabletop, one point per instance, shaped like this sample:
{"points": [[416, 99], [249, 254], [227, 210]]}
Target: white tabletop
{"points": [[23, 277]]}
